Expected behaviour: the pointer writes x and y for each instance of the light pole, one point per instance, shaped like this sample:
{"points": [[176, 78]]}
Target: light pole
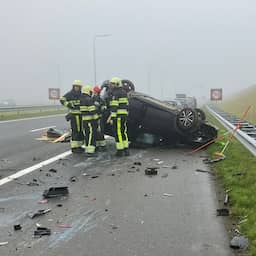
{"points": [[94, 54]]}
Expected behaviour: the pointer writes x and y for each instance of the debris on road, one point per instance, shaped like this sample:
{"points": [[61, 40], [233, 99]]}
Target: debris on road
{"points": [[211, 161], [17, 227], [165, 175], [44, 201], [52, 170], [137, 163], [166, 194], [64, 226], [239, 242], [226, 200], [150, 171], [3, 243], [222, 212], [95, 177], [59, 205], [41, 231], [38, 213], [174, 167], [203, 171], [55, 135], [73, 179], [160, 162], [166, 166], [56, 192], [239, 174]]}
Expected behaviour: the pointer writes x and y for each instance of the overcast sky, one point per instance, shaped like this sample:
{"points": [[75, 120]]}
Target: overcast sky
{"points": [[164, 46]]}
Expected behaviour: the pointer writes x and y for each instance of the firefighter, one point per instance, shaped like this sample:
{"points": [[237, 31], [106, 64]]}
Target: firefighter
{"points": [[71, 100], [118, 117], [101, 107], [89, 120]]}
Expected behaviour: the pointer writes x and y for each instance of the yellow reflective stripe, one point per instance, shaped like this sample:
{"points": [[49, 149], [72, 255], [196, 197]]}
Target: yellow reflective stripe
{"points": [[75, 102], [113, 103], [122, 111], [84, 108], [113, 114], [78, 124], [90, 149], [75, 112], [119, 145], [96, 116], [92, 108], [87, 118], [123, 100], [119, 134], [75, 144], [90, 135], [126, 141]]}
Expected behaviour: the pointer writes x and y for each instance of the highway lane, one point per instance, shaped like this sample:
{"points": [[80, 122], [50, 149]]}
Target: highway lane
{"points": [[116, 210], [19, 148]]}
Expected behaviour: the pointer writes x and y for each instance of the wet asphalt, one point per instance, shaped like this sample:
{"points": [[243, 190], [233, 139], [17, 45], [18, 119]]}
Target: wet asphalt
{"points": [[113, 208]]}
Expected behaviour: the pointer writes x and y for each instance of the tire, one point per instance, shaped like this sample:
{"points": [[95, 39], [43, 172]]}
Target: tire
{"points": [[187, 120], [201, 114], [128, 85]]}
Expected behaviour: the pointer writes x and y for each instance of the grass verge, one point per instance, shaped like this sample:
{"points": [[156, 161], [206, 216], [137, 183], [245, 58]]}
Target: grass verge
{"points": [[238, 175], [18, 114]]}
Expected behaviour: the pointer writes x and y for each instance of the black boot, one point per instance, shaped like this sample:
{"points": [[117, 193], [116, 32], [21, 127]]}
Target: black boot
{"points": [[119, 153], [77, 150], [126, 152]]}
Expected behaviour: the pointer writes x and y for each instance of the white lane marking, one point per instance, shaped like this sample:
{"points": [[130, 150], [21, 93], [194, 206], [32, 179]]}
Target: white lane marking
{"points": [[33, 168], [30, 118], [40, 129]]}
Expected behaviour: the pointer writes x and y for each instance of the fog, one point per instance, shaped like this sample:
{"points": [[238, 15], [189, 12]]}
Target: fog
{"points": [[164, 47]]}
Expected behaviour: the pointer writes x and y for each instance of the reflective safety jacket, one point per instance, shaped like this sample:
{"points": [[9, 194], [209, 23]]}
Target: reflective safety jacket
{"points": [[119, 102], [71, 100], [100, 105], [88, 108]]}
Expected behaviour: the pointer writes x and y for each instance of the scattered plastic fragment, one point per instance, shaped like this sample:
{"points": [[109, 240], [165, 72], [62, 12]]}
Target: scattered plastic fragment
{"points": [[211, 161], [174, 167], [137, 163], [17, 227], [38, 213], [166, 166], [204, 171], [3, 243], [41, 231], [239, 242], [151, 171], [44, 201], [226, 200], [73, 179], [95, 176], [166, 194], [222, 212], [52, 170], [160, 162], [55, 192], [59, 205], [64, 226], [165, 175], [93, 199]]}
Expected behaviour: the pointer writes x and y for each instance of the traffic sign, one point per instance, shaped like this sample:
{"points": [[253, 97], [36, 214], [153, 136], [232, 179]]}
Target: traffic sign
{"points": [[54, 93], [216, 94]]}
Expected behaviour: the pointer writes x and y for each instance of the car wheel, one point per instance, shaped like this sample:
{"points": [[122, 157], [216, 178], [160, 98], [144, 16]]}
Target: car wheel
{"points": [[187, 119], [128, 85], [201, 114]]}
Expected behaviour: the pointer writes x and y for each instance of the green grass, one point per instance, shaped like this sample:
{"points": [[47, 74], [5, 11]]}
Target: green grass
{"points": [[242, 188], [18, 114], [237, 104]]}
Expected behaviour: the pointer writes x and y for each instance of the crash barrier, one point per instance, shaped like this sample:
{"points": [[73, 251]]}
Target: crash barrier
{"points": [[23, 108], [246, 133]]}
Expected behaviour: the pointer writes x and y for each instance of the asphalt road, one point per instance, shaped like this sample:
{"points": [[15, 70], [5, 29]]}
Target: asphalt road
{"points": [[113, 208]]}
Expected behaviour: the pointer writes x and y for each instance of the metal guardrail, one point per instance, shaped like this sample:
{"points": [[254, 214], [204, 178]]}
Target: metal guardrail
{"points": [[23, 108], [247, 132]]}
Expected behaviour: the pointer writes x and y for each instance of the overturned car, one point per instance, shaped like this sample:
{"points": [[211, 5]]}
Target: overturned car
{"points": [[154, 122]]}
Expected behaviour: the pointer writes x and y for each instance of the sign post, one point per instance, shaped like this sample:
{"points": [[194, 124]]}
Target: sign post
{"points": [[216, 94], [54, 94]]}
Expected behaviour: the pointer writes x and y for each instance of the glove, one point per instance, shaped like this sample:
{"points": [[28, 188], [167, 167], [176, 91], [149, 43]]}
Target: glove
{"points": [[70, 105]]}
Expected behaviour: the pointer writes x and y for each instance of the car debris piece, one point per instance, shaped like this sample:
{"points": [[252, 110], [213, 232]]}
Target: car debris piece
{"points": [[17, 227], [212, 161], [137, 163], [165, 175], [44, 201], [41, 231], [204, 171], [73, 179], [64, 226], [239, 242], [95, 177], [52, 170], [59, 205], [151, 171], [56, 192], [3, 243], [55, 135], [38, 213], [222, 212], [226, 200], [174, 167], [166, 166], [166, 194]]}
